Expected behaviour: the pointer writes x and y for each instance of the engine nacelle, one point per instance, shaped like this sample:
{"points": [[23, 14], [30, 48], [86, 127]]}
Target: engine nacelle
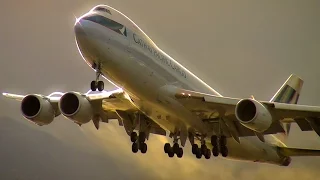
{"points": [[76, 107], [37, 109], [253, 115]]}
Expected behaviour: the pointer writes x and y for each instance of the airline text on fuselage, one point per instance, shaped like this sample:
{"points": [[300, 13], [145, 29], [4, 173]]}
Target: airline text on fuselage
{"points": [[159, 56]]}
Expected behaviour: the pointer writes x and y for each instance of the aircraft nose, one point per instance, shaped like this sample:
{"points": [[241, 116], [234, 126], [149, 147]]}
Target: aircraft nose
{"points": [[78, 28]]}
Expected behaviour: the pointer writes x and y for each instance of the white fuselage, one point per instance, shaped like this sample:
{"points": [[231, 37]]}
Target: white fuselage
{"points": [[133, 62]]}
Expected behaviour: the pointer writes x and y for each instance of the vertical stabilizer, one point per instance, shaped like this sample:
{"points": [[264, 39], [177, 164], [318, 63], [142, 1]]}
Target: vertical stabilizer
{"points": [[288, 93]]}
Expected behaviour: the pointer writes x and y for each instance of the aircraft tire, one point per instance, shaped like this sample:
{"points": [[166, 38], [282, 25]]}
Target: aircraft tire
{"points": [[170, 152], [180, 153], [166, 147], [135, 147], [203, 149], [208, 154], [133, 137], [195, 147], [100, 85], [143, 148], [142, 137], [215, 151], [199, 154], [224, 151], [175, 148], [93, 86]]}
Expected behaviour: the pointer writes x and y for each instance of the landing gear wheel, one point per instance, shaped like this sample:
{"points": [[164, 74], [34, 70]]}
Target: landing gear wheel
{"points": [[215, 151], [214, 140], [208, 154], [166, 147], [133, 137], [175, 148], [93, 86], [142, 137], [198, 153], [170, 153], [143, 148], [223, 141], [203, 149], [195, 147], [224, 151], [135, 148], [180, 153], [100, 85]]}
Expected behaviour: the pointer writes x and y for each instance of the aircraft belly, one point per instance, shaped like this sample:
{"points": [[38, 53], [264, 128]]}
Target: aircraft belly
{"points": [[143, 83]]}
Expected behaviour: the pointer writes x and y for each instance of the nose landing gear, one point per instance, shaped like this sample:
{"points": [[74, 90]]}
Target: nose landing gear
{"points": [[97, 84]]}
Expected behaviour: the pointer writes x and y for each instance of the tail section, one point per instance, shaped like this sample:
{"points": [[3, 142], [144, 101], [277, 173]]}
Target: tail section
{"points": [[288, 93]]}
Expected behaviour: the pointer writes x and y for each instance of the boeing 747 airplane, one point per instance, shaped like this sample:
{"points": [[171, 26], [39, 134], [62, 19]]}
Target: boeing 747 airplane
{"points": [[157, 95]]}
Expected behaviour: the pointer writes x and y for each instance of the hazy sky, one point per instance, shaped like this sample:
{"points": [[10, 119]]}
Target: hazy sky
{"points": [[240, 48]]}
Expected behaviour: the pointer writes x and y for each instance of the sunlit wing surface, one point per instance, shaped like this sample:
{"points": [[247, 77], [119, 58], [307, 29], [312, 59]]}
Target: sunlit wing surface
{"points": [[13, 96], [106, 104]]}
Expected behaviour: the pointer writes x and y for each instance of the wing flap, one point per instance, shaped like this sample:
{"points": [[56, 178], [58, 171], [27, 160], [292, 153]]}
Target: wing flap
{"points": [[103, 95], [293, 110], [303, 124]]}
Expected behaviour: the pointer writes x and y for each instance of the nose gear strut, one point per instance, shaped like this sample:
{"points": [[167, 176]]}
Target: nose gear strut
{"points": [[97, 84]]}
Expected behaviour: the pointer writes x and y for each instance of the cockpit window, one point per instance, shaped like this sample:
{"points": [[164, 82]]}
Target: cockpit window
{"points": [[101, 9], [113, 25]]}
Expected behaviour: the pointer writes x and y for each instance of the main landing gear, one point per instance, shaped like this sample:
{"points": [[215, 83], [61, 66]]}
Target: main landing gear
{"points": [[219, 146], [97, 84], [203, 150], [175, 149], [138, 142]]}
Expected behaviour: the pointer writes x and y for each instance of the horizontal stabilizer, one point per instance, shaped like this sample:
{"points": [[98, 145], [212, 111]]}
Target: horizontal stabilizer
{"points": [[298, 152]]}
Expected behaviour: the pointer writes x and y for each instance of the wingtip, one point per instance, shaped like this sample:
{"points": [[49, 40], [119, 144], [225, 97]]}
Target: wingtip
{"points": [[295, 76], [13, 96]]}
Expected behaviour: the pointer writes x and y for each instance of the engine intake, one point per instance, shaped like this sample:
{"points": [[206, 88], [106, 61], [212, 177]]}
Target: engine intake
{"points": [[76, 107], [253, 115], [37, 109]]}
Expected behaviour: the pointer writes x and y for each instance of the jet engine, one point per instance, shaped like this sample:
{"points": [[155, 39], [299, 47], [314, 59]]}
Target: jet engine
{"points": [[76, 107], [253, 115], [37, 109]]}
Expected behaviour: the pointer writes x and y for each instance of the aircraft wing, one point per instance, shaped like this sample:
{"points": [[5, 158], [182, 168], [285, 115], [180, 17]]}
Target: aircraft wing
{"points": [[214, 109], [106, 105]]}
